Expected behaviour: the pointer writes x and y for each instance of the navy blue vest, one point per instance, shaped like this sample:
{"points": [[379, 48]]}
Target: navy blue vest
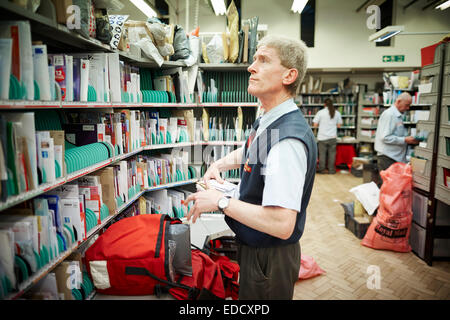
{"points": [[290, 125]]}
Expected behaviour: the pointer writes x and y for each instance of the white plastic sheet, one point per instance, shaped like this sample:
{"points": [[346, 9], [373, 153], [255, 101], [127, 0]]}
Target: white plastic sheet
{"points": [[369, 196]]}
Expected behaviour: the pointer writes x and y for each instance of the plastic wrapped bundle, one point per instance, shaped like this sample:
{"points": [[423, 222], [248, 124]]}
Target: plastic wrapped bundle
{"points": [[180, 45]]}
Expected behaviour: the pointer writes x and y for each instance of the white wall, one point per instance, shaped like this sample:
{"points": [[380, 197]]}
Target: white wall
{"points": [[341, 35]]}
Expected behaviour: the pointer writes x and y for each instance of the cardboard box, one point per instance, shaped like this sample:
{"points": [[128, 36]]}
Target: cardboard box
{"points": [[62, 279], [59, 140], [418, 165], [359, 162], [107, 181]]}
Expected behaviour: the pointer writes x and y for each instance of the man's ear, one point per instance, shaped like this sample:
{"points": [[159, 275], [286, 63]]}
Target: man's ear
{"points": [[290, 76]]}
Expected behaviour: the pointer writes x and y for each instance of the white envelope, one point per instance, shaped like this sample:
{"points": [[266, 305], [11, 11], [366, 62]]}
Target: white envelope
{"points": [[25, 52], [5, 67], [7, 254], [70, 211], [27, 130], [40, 64], [114, 77]]}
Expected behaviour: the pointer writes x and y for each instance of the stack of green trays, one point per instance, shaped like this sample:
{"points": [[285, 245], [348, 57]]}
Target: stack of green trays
{"points": [[209, 97], [91, 220], [87, 287], [5, 287], [153, 96], [37, 91], [232, 174], [131, 192], [61, 242], [104, 212], [78, 158], [125, 97], [77, 295], [21, 269], [145, 76], [17, 90], [92, 94], [191, 173], [47, 120], [119, 202], [45, 256]]}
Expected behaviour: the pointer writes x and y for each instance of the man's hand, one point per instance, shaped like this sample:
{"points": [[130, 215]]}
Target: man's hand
{"points": [[411, 140], [212, 173], [204, 201]]}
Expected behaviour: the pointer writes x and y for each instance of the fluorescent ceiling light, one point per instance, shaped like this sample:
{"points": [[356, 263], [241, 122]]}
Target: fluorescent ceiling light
{"points": [[145, 8], [298, 5], [386, 33], [219, 7], [444, 5]]}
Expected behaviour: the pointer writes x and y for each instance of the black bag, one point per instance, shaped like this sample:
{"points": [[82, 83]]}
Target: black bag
{"points": [[180, 45], [104, 33]]}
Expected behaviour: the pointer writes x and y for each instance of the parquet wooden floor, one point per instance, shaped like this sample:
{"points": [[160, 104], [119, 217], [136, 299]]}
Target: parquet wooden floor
{"points": [[337, 251]]}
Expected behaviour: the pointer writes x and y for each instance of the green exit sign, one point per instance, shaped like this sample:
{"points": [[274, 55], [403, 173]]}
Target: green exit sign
{"points": [[397, 58]]}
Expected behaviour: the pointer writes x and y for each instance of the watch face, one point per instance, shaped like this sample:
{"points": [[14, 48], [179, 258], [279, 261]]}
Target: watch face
{"points": [[223, 202]]}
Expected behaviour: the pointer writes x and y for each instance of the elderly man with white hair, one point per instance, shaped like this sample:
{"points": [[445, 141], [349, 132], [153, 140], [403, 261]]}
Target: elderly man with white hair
{"points": [[391, 138]]}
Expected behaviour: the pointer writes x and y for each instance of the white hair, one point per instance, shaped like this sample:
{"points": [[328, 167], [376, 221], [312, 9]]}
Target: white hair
{"points": [[292, 54], [404, 97]]}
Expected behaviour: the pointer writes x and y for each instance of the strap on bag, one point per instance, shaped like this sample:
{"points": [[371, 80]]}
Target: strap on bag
{"points": [[138, 271], [160, 235]]}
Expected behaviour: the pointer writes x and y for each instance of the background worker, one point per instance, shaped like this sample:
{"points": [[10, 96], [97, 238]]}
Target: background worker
{"points": [[391, 138], [327, 120]]}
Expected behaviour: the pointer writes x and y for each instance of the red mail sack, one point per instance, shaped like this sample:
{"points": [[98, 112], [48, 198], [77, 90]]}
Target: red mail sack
{"points": [[391, 226]]}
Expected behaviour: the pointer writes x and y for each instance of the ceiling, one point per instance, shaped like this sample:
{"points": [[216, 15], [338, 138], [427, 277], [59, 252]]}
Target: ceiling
{"points": [[425, 4]]}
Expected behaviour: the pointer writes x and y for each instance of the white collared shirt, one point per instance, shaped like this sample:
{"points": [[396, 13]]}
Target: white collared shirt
{"points": [[286, 165], [327, 126]]}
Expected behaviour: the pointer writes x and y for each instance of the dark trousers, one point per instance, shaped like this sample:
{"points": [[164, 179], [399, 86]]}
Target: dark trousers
{"points": [[268, 273], [383, 163], [327, 148]]}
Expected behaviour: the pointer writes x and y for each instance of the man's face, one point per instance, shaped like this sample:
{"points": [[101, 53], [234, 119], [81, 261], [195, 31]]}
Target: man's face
{"points": [[266, 73], [403, 105]]}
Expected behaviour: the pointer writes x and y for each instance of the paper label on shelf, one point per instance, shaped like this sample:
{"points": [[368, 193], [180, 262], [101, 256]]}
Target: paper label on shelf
{"points": [[88, 128]]}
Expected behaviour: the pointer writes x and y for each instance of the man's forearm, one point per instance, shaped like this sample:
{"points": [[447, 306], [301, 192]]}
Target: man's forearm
{"points": [[275, 221], [230, 161], [392, 139]]}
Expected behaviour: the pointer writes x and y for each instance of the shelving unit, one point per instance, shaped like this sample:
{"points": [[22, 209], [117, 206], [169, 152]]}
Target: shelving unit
{"points": [[223, 66], [60, 39], [430, 231], [368, 114], [35, 278]]}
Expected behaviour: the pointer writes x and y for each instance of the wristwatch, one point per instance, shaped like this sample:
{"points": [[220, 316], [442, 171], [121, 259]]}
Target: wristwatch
{"points": [[223, 203]]}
